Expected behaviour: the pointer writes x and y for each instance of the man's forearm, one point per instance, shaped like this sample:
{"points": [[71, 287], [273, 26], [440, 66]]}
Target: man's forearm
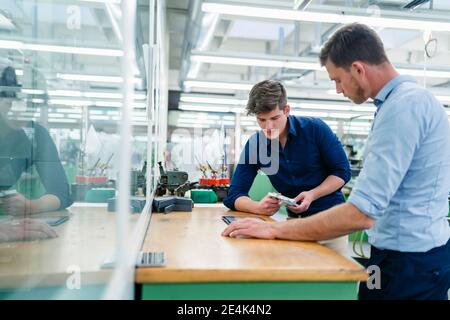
{"points": [[329, 185], [48, 202], [334, 222], [246, 204]]}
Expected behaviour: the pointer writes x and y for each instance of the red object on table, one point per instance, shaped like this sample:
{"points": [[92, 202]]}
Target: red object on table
{"points": [[91, 179]]}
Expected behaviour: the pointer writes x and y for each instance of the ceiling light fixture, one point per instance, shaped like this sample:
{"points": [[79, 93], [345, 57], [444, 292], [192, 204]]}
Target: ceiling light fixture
{"points": [[308, 16], [92, 78], [218, 85], [18, 45], [282, 62]]}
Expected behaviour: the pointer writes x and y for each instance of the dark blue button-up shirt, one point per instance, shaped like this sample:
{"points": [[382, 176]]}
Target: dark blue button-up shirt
{"points": [[311, 154], [21, 149]]}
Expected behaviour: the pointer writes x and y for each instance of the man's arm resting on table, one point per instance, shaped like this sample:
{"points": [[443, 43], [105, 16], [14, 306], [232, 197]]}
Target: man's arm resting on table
{"points": [[246, 204], [267, 205], [332, 223], [47, 202]]}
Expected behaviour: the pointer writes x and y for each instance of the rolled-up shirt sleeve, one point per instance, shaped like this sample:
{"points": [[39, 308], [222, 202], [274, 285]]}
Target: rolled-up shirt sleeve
{"points": [[242, 179], [390, 150], [333, 153]]}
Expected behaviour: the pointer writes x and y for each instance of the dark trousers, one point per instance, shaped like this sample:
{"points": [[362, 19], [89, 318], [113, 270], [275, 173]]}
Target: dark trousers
{"points": [[409, 275]]}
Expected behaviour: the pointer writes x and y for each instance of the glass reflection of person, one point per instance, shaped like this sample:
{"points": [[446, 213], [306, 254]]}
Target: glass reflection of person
{"points": [[24, 145], [25, 229]]}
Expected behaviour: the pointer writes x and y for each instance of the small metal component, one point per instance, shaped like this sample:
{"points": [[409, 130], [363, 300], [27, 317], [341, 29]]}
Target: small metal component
{"points": [[284, 200]]}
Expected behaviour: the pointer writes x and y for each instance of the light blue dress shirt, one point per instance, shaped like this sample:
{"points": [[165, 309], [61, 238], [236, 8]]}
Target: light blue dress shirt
{"points": [[405, 182]]}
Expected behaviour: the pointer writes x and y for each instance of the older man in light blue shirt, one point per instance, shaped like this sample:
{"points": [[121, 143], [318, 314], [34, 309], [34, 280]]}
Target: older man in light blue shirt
{"points": [[406, 178], [401, 193]]}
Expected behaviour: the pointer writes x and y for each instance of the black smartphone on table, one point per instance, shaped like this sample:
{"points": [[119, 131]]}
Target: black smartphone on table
{"points": [[230, 219]]}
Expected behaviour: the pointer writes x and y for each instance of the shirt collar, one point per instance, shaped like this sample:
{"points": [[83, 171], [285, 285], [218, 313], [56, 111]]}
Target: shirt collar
{"points": [[389, 87], [291, 124]]}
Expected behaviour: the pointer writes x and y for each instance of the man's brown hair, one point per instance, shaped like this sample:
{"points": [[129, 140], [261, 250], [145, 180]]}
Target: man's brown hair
{"points": [[353, 42], [265, 96]]}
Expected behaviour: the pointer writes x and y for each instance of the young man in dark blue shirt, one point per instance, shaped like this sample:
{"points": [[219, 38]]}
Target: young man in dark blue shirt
{"points": [[301, 156]]}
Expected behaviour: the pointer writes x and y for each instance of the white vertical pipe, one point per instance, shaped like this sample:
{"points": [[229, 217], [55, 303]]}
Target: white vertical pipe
{"points": [[129, 56], [150, 124], [121, 284], [151, 86]]}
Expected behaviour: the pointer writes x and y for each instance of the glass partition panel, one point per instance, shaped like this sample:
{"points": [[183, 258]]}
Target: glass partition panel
{"points": [[61, 104]]}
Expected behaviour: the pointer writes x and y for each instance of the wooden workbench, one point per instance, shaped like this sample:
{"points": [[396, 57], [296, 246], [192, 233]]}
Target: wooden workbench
{"points": [[41, 268], [201, 264]]}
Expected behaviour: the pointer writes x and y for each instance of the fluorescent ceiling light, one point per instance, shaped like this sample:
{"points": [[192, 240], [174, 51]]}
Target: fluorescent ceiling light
{"points": [[99, 118], [63, 120], [74, 116], [112, 104], [102, 1], [309, 113], [81, 103], [64, 93], [74, 50], [33, 91], [56, 115], [8, 44], [102, 95], [319, 106], [87, 94], [321, 114], [85, 77], [304, 65], [71, 110], [337, 107], [427, 73], [257, 62], [195, 125], [213, 100], [218, 85], [238, 61], [74, 103], [293, 15], [188, 107], [92, 78], [18, 45]]}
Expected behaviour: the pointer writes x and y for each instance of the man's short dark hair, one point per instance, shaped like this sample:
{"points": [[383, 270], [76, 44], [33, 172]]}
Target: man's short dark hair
{"points": [[353, 42], [265, 96]]}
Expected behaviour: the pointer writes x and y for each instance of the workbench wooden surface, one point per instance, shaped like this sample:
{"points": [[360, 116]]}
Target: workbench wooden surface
{"points": [[83, 242], [196, 252]]}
